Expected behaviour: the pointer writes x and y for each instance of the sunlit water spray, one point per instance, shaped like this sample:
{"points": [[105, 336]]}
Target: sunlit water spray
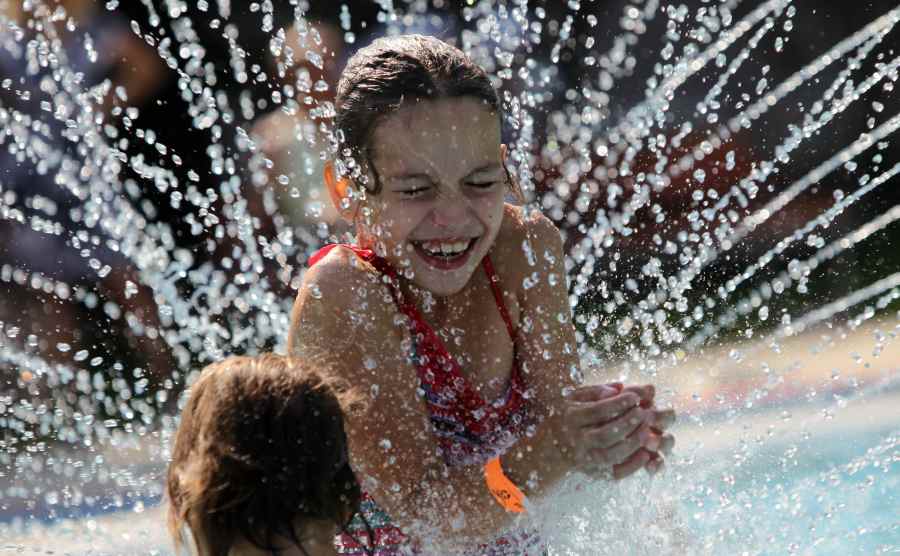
{"points": [[655, 285]]}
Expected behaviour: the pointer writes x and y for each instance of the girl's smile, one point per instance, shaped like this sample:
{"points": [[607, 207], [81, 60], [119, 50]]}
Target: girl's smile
{"points": [[445, 254]]}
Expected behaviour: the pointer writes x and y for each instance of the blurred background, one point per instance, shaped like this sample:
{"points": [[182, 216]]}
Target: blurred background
{"points": [[216, 116], [282, 172]]}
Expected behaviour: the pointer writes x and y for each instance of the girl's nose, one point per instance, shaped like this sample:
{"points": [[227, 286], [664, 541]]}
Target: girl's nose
{"points": [[450, 211]]}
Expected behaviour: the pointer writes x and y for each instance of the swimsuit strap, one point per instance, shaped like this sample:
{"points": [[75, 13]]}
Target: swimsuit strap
{"points": [[494, 281], [389, 277], [320, 254]]}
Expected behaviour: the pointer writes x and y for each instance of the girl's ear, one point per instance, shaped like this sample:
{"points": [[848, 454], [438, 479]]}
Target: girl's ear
{"points": [[338, 190]]}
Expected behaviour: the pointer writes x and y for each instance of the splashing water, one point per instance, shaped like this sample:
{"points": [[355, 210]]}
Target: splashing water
{"points": [[723, 174]]}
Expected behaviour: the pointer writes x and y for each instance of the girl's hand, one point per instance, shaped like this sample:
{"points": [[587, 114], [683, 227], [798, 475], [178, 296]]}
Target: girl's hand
{"points": [[654, 441], [616, 430]]}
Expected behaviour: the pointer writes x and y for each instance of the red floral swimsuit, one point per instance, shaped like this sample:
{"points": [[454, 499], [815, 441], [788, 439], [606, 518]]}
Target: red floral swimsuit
{"points": [[468, 429]]}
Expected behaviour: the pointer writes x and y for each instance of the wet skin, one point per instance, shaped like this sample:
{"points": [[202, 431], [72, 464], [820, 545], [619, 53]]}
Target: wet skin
{"points": [[439, 165]]}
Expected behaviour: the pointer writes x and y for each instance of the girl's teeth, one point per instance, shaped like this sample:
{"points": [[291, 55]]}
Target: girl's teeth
{"points": [[445, 248], [457, 247]]}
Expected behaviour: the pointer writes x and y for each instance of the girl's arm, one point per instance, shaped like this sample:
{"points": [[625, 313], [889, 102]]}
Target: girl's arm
{"points": [[594, 425]]}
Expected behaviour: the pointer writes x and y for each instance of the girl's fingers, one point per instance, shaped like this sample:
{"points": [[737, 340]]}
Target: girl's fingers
{"points": [[666, 443], [587, 414], [616, 430], [646, 392], [594, 392], [655, 465], [649, 438], [636, 461], [619, 453], [662, 418]]}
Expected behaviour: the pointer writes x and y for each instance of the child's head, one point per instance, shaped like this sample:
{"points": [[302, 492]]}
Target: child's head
{"points": [[260, 457], [420, 129]]}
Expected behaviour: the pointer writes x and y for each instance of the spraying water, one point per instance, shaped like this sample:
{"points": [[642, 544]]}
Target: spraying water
{"points": [[725, 180]]}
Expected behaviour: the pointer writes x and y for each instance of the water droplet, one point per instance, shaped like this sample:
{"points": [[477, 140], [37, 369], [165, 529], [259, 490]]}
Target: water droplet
{"points": [[700, 175], [667, 51], [315, 59], [130, 289], [729, 160]]}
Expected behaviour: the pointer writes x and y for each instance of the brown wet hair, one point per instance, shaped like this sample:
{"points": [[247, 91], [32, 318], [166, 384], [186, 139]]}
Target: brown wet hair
{"points": [[259, 452], [391, 71]]}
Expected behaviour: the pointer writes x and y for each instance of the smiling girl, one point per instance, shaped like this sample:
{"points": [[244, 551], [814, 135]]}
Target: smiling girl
{"points": [[452, 310]]}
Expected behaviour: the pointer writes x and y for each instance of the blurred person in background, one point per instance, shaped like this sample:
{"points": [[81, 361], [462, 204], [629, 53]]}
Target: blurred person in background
{"points": [[40, 165], [289, 142]]}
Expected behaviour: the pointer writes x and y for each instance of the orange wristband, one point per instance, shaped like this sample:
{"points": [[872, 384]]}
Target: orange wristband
{"points": [[505, 492]]}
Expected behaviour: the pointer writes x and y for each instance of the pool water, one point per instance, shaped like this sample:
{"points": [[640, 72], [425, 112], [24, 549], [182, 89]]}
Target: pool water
{"points": [[727, 490], [832, 495], [817, 486]]}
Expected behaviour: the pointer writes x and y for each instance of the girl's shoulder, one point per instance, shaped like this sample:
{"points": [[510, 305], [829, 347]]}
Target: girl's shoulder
{"points": [[338, 272], [528, 242], [520, 224], [334, 310]]}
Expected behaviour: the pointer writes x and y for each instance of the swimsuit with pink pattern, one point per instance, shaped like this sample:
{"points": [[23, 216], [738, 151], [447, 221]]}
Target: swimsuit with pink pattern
{"points": [[469, 430]]}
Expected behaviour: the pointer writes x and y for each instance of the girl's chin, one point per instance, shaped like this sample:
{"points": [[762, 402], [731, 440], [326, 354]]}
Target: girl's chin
{"points": [[441, 289], [441, 282]]}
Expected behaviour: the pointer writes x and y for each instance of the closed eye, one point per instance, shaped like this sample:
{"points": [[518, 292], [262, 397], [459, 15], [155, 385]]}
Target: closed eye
{"points": [[414, 192], [482, 184]]}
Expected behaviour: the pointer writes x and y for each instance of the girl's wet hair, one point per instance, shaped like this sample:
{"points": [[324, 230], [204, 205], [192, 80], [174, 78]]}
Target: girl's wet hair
{"points": [[260, 451], [392, 71]]}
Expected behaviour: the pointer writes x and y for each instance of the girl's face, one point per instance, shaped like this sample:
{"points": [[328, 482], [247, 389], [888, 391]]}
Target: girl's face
{"points": [[440, 165]]}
